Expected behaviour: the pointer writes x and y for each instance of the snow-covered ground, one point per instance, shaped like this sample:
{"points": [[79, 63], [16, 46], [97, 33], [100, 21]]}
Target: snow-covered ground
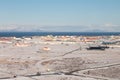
{"points": [[58, 62]]}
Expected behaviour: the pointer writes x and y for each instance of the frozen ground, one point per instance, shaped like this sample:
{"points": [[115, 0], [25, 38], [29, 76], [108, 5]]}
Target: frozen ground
{"points": [[61, 62]]}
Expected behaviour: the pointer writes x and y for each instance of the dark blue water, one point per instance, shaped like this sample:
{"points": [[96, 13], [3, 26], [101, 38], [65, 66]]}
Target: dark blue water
{"points": [[21, 34]]}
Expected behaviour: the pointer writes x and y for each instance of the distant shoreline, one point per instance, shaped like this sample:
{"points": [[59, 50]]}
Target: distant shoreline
{"points": [[22, 34]]}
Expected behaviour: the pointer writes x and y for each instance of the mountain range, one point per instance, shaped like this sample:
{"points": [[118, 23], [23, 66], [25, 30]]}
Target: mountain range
{"points": [[36, 28]]}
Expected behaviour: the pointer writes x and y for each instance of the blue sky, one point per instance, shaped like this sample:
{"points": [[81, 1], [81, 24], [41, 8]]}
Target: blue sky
{"points": [[96, 13]]}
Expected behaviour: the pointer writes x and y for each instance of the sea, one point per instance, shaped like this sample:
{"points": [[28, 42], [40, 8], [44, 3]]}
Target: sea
{"points": [[24, 34]]}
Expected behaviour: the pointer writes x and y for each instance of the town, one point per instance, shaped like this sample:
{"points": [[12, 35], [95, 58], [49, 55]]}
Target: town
{"points": [[51, 57]]}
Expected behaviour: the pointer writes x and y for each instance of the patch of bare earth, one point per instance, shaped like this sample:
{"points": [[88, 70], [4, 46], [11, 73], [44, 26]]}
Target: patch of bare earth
{"points": [[110, 72]]}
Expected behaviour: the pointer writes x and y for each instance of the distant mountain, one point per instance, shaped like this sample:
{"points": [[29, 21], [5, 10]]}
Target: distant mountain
{"points": [[34, 28], [20, 28], [95, 30], [23, 29], [37, 28]]}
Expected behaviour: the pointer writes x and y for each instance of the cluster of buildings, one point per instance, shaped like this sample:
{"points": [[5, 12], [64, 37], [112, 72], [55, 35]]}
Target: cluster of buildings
{"points": [[24, 41]]}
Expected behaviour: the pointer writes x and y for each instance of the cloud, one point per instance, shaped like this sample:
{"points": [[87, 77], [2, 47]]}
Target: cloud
{"points": [[67, 28], [110, 25], [7, 27], [24, 28]]}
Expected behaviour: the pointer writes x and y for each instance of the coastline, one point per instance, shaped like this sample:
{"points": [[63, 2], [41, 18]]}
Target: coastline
{"points": [[59, 57], [21, 34]]}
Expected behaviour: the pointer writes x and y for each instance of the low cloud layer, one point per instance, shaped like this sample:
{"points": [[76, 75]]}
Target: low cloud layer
{"points": [[81, 28]]}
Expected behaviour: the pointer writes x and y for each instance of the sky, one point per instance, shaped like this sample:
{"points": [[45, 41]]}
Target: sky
{"points": [[61, 15]]}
